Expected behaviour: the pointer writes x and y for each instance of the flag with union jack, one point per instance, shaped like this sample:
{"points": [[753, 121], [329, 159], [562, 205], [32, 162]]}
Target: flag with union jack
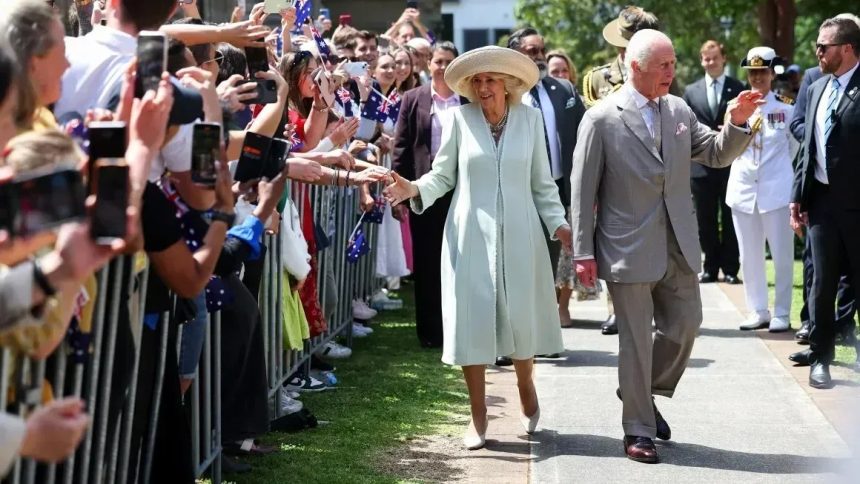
{"points": [[322, 47], [344, 98], [304, 9]]}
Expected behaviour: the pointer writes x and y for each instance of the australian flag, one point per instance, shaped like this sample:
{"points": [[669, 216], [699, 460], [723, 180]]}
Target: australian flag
{"points": [[394, 109], [296, 142], [322, 47], [344, 98], [303, 12], [379, 108], [357, 246]]}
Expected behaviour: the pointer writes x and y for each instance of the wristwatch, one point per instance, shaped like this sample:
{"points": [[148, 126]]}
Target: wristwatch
{"points": [[218, 216], [41, 280]]}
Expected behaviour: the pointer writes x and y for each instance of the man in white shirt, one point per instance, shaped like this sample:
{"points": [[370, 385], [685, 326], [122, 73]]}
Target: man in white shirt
{"points": [[825, 195]]}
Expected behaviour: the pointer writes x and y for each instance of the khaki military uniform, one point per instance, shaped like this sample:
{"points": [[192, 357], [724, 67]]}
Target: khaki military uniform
{"points": [[602, 81]]}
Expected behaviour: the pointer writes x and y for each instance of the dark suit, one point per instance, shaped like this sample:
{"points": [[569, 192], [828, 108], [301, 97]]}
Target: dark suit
{"points": [[833, 209], [569, 109], [709, 186], [412, 159], [845, 302]]}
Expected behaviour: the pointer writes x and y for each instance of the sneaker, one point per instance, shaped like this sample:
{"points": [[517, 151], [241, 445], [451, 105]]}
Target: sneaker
{"points": [[357, 332], [309, 384], [289, 405], [755, 321], [381, 301], [779, 324], [363, 327], [360, 310], [334, 350]]}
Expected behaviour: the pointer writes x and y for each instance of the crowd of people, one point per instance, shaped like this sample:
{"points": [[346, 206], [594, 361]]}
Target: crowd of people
{"points": [[506, 192]]}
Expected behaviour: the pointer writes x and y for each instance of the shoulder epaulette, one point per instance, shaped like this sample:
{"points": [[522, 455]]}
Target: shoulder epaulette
{"points": [[785, 99], [588, 98]]}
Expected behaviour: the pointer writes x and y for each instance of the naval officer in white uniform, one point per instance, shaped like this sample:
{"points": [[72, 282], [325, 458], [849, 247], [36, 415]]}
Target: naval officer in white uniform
{"points": [[759, 192]]}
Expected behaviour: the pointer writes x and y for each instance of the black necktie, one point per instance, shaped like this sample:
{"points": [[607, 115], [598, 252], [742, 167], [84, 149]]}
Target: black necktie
{"points": [[536, 103]]}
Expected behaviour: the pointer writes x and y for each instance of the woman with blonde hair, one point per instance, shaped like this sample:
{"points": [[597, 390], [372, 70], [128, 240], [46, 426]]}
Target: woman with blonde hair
{"points": [[560, 66], [497, 284]]}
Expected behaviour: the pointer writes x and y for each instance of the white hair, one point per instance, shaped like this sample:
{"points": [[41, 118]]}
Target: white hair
{"points": [[850, 16], [641, 45]]}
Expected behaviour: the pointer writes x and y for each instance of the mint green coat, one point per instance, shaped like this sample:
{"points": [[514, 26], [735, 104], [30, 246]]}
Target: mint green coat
{"points": [[498, 295]]}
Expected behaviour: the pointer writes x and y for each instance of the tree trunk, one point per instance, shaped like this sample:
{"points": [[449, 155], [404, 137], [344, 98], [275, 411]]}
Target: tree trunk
{"points": [[776, 26]]}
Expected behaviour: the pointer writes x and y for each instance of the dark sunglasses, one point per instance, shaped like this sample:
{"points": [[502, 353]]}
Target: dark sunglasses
{"points": [[299, 57], [824, 47]]}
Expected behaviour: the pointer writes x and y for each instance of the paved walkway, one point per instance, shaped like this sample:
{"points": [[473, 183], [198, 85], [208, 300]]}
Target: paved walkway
{"points": [[739, 414]]}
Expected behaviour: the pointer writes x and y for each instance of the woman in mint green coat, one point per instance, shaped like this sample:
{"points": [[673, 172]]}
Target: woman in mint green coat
{"points": [[498, 293]]}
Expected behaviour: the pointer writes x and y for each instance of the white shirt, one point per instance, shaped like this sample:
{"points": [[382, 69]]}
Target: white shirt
{"points": [[175, 156], [548, 113], [441, 111], [720, 82], [642, 104], [98, 62], [821, 117]]}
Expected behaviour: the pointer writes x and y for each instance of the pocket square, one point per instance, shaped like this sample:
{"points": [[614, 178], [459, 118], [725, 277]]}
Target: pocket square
{"points": [[570, 103], [681, 129]]}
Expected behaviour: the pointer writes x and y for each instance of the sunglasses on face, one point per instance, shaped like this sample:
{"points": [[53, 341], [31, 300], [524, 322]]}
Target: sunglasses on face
{"points": [[825, 47], [299, 57]]}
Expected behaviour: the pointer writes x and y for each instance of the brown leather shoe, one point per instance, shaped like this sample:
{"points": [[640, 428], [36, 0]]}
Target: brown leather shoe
{"points": [[640, 449]]}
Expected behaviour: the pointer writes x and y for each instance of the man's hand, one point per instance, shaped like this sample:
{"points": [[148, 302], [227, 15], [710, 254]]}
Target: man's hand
{"points": [[586, 272], [55, 430], [338, 158], [797, 218], [244, 34], [304, 170], [234, 91], [742, 107], [203, 81]]}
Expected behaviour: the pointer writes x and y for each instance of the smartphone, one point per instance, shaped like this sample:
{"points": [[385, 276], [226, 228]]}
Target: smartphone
{"points": [[107, 142], [411, 4], [278, 153], [40, 200], [345, 19], [322, 80], [275, 6], [107, 222], [325, 12], [205, 151], [258, 61], [151, 61], [255, 150], [356, 69]]}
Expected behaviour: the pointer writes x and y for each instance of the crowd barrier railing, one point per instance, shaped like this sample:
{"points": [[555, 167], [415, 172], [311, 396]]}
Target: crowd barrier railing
{"points": [[100, 373]]}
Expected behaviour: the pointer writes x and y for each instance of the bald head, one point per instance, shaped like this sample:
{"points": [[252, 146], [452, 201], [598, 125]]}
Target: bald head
{"points": [[650, 62]]}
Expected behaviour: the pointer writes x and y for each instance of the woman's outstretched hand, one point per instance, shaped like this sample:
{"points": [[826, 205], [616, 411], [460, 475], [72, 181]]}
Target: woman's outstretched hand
{"points": [[399, 190]]}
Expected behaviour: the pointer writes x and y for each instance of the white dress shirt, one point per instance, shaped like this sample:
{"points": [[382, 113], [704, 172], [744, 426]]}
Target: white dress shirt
{"points": [[718, 93], [98, 62], [548, 113], [821, 116], [440, 114], [642, 104]]}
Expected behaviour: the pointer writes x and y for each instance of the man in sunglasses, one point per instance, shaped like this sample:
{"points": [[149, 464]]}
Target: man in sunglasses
{"points": [[825, 197]]}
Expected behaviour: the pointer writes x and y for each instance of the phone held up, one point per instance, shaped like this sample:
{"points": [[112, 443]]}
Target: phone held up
{"points": [[258, 61], [42, 200], [151, 61], [205, 151], [109, 176]]}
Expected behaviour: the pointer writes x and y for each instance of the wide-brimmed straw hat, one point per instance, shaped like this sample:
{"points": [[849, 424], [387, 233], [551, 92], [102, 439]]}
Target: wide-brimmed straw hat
{"points": [[491, 59]]}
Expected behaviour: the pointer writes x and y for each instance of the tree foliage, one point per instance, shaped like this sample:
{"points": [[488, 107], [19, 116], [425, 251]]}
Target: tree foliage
{"points": [[577, 26]]}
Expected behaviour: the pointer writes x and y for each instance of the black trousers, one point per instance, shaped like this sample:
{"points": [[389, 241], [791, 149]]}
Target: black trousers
{"points": [[427, 230], [712, 213], [846, 305], [834, 240]]}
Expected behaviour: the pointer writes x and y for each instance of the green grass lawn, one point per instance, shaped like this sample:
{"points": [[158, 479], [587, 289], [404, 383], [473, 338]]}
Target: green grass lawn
{"points": [[844, 354], [390, 391]]}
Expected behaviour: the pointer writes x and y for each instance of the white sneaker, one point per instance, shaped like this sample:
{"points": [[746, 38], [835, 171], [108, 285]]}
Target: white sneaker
{"points": [[779, 324], [357, 332], [309, 384], [362, 327], [755, 321], [288, 404], [381, 301], [335, 351], [360, 310]]}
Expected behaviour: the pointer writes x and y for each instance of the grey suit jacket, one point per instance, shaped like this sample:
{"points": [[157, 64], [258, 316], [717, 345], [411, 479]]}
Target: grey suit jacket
{"points": [[617, 168]]}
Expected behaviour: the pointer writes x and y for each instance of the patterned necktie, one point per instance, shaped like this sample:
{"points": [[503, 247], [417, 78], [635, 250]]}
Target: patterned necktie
{"points": [[830, 112], [714, 99], [536, 104], [656, 128]]}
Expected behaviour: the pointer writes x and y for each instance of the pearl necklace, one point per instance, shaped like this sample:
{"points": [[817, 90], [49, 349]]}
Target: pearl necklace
{"points": [[496, 129]]}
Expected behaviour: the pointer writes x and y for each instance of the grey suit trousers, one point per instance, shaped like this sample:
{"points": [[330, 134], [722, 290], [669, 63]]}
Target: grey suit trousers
{"points": [[653, 366]]}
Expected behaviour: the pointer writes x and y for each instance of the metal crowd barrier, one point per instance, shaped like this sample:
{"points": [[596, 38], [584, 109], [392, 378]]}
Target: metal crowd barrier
{"points": [[105, 454]]}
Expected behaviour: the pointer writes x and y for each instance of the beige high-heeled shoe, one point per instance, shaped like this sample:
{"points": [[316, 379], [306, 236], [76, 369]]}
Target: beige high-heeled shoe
{"points": [[530, 423], [475, 441]]}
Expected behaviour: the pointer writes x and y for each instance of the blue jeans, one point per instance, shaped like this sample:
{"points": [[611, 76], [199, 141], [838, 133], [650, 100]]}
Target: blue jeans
{"points": [[193, 333]]}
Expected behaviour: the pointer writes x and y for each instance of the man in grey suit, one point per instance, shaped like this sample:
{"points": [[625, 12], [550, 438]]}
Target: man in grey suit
{"points": [[632, 161]]}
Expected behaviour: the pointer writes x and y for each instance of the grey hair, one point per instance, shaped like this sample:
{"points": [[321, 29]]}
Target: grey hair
{"points": [[641, 45], [514, 88], [25, 26]]}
